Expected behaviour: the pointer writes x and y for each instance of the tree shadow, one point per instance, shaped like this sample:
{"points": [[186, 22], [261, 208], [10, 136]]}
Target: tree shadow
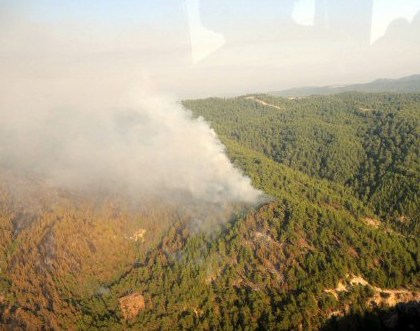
{"points": [[404, 316]]}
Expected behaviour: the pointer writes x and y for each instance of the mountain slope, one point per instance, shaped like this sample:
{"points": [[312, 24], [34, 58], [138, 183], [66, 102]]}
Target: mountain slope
{"points": [[271, 268], [409, 84], [369, 142], [319, 247], [268, 268]]}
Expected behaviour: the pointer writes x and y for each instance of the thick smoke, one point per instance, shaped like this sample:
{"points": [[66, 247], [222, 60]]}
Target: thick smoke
{"points": [[143, 143], [83, 122]]}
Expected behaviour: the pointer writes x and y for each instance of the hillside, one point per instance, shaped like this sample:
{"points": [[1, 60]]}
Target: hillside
{"points": [[273, 268], [367, 142], [410, 84], [335, 243]]}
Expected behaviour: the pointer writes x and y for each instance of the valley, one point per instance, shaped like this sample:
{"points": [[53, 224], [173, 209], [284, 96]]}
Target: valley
{"points": [[336, 237]]}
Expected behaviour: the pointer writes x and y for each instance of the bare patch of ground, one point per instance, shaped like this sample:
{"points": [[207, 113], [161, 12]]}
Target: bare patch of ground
{"points": [[381, 296], [262, 102], [138, 235], [341, 287], [390, 298], [372, 222], [356, 280], [131, 305]]}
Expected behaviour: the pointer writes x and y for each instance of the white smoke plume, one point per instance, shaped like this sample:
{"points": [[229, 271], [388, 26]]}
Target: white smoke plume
{"points": [[83, 122], [144, 143]]}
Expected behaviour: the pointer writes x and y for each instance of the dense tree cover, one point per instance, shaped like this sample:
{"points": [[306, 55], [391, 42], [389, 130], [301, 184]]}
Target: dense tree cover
{"points": [[369, 142], [269, 269], [65, 261], [57, 249]]}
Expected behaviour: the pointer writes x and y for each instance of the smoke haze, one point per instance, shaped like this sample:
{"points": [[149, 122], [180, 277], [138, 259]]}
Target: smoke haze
{"points": [[84, 134], [83, 123], [205, 48]]}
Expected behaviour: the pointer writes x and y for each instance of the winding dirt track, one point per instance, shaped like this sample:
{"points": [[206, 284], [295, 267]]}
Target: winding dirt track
{"points": [[382, 296], [262, 102]]}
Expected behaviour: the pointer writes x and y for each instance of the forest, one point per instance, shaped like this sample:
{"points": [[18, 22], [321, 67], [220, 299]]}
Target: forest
{"points": [[335, 246]]}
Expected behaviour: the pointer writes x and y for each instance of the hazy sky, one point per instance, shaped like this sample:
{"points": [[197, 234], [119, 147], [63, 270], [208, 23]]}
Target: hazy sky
{"points": [[83, 107], [213, 47]]}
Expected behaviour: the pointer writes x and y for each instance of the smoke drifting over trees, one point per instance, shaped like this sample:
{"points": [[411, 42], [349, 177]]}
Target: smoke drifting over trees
{"points": [[87, 122], [88, 135]]}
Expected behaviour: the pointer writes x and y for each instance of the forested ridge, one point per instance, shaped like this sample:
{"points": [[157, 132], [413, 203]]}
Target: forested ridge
{"points": [[334, 244], [368, 142], [408, 84]]}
